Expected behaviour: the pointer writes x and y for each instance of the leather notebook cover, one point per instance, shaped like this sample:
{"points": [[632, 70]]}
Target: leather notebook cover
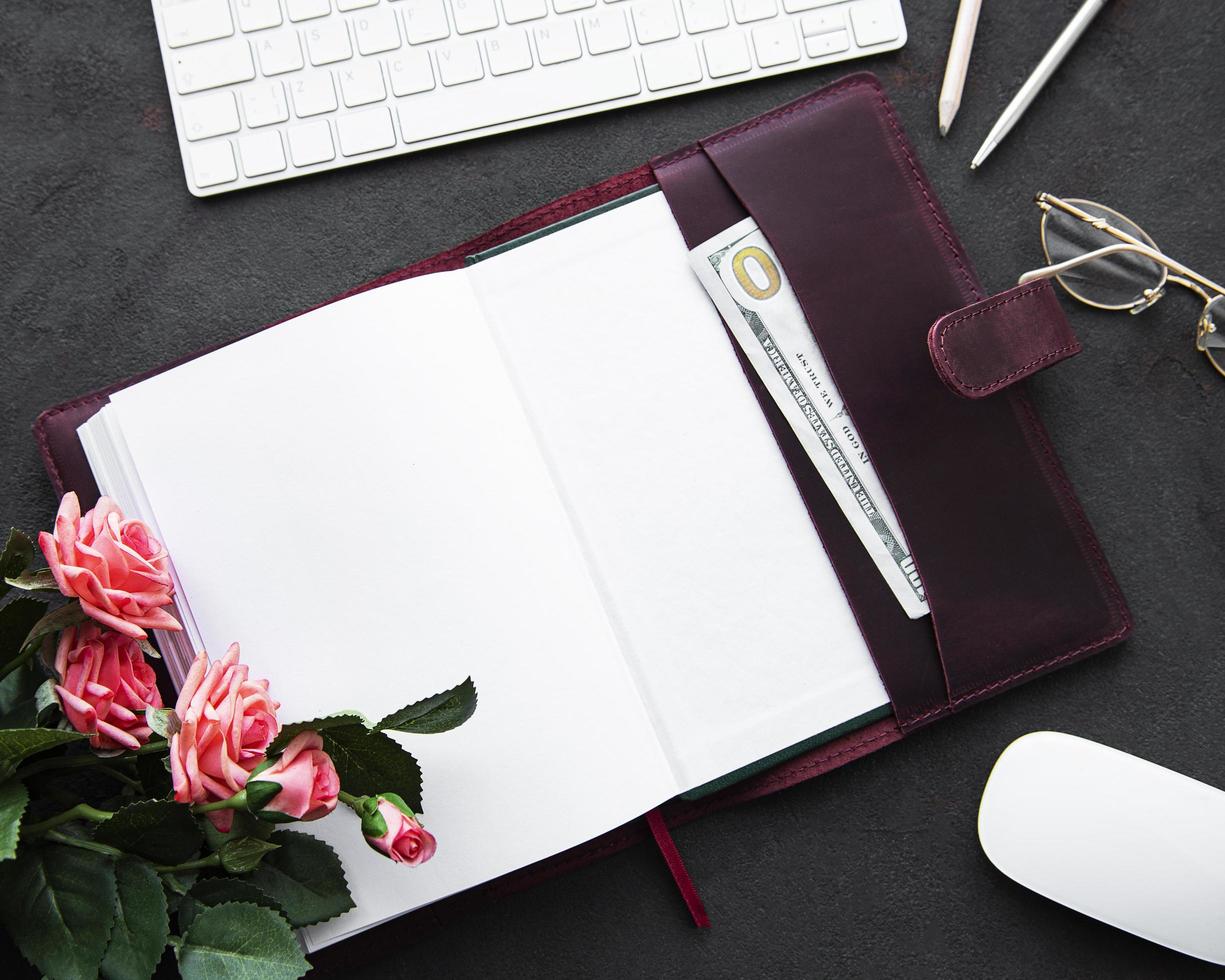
{"points": [[1015, 579]]}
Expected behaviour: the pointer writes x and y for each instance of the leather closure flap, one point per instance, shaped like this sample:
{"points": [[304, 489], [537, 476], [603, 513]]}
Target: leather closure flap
{"points": [[989, 345]]}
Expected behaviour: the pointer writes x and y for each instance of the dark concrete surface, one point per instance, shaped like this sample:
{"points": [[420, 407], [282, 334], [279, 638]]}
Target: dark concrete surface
{"points": [[108, 266]]}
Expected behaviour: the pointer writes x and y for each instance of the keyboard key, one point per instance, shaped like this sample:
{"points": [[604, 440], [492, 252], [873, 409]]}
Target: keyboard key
{"points": [[279, 53], [365, 131], [823, 23], [223, 63], [213, 163], [424, 20], [569, 6], [775, 44], [795, 6], [311, 143], [874, 22], [655, 20], [517, 11], [747, 11], [606, 31], [210, 115], [264, 104], [354, 4], [361, 83], [328, 42], [703, 15], [376, 31], [261, 154], [307, 9], [258, 15], [459, 63], [196, 21], [726, 54], [508, 52], [313, 93], [670, 66], [410, 73], [474, 15], [520, 96], [557, 42], [824, 45]]}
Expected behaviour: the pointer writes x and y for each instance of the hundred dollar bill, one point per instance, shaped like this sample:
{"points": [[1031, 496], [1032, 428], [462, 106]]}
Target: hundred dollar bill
{"points": [[748, 286]]}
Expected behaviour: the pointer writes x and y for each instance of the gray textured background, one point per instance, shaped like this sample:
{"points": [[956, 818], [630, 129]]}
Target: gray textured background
{"points": [[108, 266]]}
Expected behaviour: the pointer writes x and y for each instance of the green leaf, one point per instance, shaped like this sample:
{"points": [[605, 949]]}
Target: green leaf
{"points": [[370, 763], [260, 792], [17, 744], [17, 618], [16, 557], [345, 719], [142, 923], [176, 885], [244, 854], [439, 713], [304, 877], [243, 825], [58, 904], [46, 702], [154, 775], [58, 619], [40, 581], [13, 800], [240, 941], [159, 830], [217, 891], [21, 704], [164, 721]]}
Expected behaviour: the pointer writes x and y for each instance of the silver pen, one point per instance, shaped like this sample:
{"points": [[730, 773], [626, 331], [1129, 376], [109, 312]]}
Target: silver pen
{"points": [[1033, 85]]}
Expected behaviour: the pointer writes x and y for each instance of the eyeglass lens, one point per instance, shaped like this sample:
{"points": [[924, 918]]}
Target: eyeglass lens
{"points": [[1116, 281]]}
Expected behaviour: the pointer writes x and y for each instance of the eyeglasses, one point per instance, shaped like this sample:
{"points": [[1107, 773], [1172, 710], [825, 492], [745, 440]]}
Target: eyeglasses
{"points": [[1106, 260]]}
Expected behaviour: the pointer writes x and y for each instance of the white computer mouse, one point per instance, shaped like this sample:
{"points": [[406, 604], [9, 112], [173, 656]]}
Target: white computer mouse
{"points": [[1128, 842]]}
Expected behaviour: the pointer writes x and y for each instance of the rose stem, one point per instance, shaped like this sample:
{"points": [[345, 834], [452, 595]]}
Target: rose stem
{"points": [[17, 662], [85, 845], [78, 761], [209, 861], [235, 802], [82, 811]]}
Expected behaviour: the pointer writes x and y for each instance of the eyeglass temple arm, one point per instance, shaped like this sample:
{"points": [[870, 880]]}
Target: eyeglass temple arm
{"points": [[1151, 253]]}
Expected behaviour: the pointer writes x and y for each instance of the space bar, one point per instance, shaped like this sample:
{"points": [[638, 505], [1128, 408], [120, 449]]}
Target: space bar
{"points": [[524, 95]]}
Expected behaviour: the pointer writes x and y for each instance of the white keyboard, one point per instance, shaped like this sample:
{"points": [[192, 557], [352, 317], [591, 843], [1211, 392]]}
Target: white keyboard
{"points": [[268, 89]]}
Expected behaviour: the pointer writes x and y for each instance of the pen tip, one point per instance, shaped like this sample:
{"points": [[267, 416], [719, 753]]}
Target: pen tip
{"points": [[944, 130], [973, 166]]}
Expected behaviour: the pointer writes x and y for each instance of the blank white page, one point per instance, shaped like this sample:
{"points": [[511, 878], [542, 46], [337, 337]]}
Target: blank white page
{"points": [[357, 497], [727, 606]]}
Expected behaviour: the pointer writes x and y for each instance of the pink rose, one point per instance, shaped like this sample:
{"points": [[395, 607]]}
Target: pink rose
{"points": [[227, 723], [391, 828], [113, 565], [306, 778], [105, 686]]}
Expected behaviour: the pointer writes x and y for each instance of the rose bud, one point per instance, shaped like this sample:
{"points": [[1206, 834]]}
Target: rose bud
{"points": [[114, 566], [301, 785], [228, 722], [391, 828], [105, 686]]}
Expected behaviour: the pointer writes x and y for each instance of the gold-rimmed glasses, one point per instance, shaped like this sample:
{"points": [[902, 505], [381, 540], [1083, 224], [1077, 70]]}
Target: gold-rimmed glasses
{"points": [[1106, 260]]}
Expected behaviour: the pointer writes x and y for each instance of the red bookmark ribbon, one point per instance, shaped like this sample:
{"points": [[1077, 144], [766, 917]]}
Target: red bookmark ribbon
{"points": [[672, 857]]}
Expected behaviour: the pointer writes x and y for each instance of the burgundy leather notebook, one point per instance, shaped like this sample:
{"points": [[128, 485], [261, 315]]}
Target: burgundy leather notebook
{"points": [[928, 365]]}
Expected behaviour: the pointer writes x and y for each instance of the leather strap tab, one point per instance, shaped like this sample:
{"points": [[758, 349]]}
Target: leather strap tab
{"points": [[989, 345]]}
